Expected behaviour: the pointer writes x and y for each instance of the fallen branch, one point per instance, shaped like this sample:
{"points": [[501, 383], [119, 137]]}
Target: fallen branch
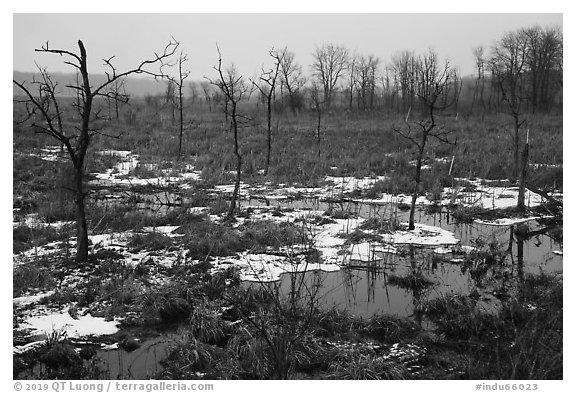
{"points": [[544, 195]]}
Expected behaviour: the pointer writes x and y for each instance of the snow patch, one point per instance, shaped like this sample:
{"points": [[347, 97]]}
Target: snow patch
{"points": [[508, 221], [27, 300], [269, 268], [164, 229], [424, 235], [86, 325]]}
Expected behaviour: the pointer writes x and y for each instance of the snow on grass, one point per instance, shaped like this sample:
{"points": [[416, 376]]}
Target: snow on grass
{"points": [[19, 349], [62, 322], [109, 239], [330, 240], [269, 268], [508, 221], [50, 153], [423, 235], [164, 229], [27, 300], [398, 199], [493, 197], [442, 250], [348, 184], [193, 175], [330, 243], [118, 175], [118, 242], [118, 153], [482, 195], [199, 210], [86, 325], [538, 165], [369, 251], [335, 186], [44, 250], [33, 220], [468, 249]]}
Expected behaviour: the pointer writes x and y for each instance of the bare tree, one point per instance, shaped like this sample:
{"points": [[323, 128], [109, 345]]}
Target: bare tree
{"points": [[178, 83], [433, 83], [544, 64], [366, 75], [521, 203], [319, 109], [405, 65], [352, 78], [292, 78], [480, 78], [233, 88], [455, 90], [194, 92], [267, 90], [207, 90], [117, 95], [508, 64], [77, 139], [170, 97], [389, 87], [328, 67]]}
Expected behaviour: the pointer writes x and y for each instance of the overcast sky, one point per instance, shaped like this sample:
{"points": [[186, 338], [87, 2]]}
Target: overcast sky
{"points": [[245, 39]]}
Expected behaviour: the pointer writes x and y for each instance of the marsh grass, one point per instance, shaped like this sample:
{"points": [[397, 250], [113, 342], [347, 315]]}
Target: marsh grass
{"points": [[359, 366], [168, 304], [359, 236], [206, 239], [522, 341], [412, 281], [34, 275], [152, 241], [25, 237]]}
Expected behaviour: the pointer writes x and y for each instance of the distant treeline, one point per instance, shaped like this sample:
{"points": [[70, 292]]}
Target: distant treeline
{"points": [[524, 66]]}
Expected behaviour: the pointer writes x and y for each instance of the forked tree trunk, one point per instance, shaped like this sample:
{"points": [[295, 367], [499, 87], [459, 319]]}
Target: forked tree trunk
{"points": [[83, 143]]}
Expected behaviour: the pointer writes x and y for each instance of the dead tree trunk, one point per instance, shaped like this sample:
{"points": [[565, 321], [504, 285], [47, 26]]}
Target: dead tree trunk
{"points": [[234, 89], [81, 225], [318, 108], [47, 100], [318, 129], [269, 139], [417, 180], [431, 89], [232, 208], [523, 169], [269, 78], [179, 83]]}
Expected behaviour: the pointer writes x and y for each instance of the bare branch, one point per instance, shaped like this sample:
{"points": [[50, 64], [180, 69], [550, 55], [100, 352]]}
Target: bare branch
{"points": [[160, 59], [407, 135], [45, 48]]}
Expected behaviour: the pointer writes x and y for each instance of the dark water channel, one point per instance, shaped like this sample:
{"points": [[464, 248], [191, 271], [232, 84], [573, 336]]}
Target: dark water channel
{"points": [[141, 363], [367, 291]]}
